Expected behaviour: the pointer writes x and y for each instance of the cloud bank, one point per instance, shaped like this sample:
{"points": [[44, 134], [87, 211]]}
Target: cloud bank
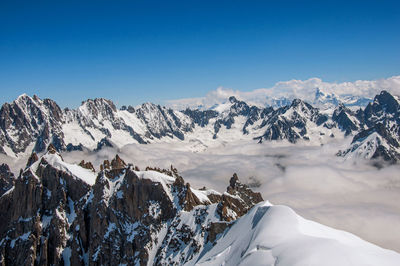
{"points": [[303, 89], [355, 197]]}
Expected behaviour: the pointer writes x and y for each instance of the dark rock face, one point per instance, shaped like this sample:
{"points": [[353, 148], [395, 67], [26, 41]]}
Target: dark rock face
{"points": [[71, 147], [201, 118], [241, 201], [35, 225], [6, 179], [51, 217], [341, 116], [104, 142]]}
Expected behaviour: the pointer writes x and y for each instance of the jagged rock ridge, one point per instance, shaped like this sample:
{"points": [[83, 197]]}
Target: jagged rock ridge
{"points": [[57, 213]]}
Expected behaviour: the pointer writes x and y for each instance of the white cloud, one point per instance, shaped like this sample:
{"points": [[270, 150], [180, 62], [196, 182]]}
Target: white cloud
{"points": [[304, 89], [320, 186]]}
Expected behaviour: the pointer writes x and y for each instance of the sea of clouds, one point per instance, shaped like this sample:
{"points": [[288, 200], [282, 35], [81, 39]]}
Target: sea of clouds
{"points": [[353, 196]]}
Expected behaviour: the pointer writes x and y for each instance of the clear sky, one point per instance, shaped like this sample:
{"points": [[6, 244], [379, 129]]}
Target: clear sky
{"points": [[137, 51]]}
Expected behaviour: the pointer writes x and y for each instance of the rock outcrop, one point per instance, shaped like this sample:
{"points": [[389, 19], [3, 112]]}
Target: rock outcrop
{"points": [[57, 213]]}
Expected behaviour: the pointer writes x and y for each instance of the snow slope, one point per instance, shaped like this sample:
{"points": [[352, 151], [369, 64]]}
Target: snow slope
{"points": [[76, 171], [276, 235]]}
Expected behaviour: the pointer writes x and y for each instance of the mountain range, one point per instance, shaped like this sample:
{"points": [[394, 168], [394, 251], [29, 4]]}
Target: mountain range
{"points": [[31, 124]]}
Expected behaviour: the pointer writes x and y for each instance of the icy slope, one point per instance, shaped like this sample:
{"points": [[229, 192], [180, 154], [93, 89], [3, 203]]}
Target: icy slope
{"points": [[276, 235]]}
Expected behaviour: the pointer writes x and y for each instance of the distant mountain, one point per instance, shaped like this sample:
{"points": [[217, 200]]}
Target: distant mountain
{"points": [[30, 124], [322, 100], [380, 135], [56, 213]]}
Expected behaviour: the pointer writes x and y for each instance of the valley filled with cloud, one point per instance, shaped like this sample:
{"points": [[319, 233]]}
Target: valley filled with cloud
{"points": [[354, 196]]}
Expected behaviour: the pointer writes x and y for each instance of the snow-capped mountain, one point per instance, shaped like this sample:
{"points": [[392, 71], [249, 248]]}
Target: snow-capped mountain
{"points": [[59, 213], [380, 134], [324, 100], [293, 122], [31, 124], [29, 121]]}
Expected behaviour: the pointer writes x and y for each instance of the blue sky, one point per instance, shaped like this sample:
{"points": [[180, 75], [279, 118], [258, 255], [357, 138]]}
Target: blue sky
{"points": [[137, 51]]}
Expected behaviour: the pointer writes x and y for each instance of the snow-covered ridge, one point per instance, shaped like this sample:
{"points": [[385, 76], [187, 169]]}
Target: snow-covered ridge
{"points": [[74, 170], [276, 235]]}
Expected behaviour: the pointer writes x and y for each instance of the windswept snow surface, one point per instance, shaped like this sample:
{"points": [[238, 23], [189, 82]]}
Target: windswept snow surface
{"points": [[75, 170], [276, 235]]}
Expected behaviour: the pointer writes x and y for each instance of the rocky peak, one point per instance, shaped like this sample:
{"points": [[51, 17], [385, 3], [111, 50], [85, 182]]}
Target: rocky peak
{"points": [[239, 108], [87, 165], [345, 118], [51, 149], [300, 105], [32, 159], [115, 168], [27, 120], [232, 99], [238, 200], [243, 191], [388, 102], [385, 106], [98, 108], [117, 163], [130, 109], [105, 165], [233, 181], [296, 103]]}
